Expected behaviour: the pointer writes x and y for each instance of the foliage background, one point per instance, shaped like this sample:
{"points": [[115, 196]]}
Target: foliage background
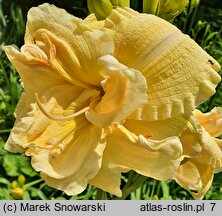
{"points": [[203, 24]]}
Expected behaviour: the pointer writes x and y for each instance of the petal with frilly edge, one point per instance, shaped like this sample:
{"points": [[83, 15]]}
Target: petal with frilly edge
{"points": [[211, 153], [184, 127], [195, 176], [68, 47], [197, 173], [78, 162], [124, 91], [156, 159], [211, 121], [180, 75], [33, 68], [69, 167], [108, 179], [33, 126]]}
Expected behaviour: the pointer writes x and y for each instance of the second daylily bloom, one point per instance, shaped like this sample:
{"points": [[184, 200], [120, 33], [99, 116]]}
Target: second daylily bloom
{"points": [[197, 172], [95, 95]]}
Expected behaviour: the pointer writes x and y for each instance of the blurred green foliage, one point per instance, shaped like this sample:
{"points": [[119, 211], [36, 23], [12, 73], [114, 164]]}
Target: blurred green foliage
{"points": [[203, 24]]}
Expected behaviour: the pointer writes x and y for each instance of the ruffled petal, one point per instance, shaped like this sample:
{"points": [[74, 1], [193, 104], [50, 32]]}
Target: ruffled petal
{"points": [[197, 173], [180, 75], [124, 91], [219, 143], [79, 161], [108, 179], [68, 166], [211, 153], [195, 176], [32, 126], [184, 127], [77, 45], [211, 121], [93, 22], [32, 65], [156, 159]]}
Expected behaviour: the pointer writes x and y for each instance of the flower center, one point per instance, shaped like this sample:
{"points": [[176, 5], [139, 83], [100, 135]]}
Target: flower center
{"points": [[59, 118]]}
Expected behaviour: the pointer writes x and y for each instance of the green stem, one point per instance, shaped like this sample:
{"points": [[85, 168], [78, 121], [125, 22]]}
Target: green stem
{"points": [[153, 189], [131, 188], [5, 131], [101, 195], [192, 20], [130, 178], [5, 75], [32, 183]]}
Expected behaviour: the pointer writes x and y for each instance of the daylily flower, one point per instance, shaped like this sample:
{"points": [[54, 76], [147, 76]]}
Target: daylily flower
{"points": [[196, 173], [105, 98]]}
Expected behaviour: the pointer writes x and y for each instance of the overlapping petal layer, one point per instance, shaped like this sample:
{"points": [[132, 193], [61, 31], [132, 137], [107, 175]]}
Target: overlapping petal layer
{"points": [[180, 75], [69, 167], [157, 159], [69, 46], [184, 127], [124, 91], [197, 172], [103, 98], [211, 121], [109, 179]]}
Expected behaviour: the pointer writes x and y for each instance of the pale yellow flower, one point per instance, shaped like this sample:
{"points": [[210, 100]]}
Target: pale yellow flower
{"points": [[98, 95], [197, 172]]}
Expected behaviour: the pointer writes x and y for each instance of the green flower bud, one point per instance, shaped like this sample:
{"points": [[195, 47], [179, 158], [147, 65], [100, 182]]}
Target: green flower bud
{"points": [[121, 3], [102, 8], [17, 193], [155, 197], [14, 184], [167, 9], [201, 24], [194, 3], [21, 180], [151, 6]]}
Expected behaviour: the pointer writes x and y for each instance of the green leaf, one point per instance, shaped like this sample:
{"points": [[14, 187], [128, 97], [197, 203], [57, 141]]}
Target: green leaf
{"points": [[10, 165], [26, 168], [5, 181], [26, 196], [16, 165], [60, 198], [166, 190], [41, 195], [5, 194]]}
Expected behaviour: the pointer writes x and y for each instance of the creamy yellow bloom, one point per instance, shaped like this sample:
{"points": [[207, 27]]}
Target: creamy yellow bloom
{"points": [[97, 96], [196, 173]]}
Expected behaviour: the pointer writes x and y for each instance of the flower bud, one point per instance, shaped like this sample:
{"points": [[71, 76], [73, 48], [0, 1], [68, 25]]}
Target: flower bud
{"points": [[102, 8], [17, 193], [167, 9], [121, 3], [194, 3], [155, 197], [14, 184], [151, 6], [21, 180]]}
